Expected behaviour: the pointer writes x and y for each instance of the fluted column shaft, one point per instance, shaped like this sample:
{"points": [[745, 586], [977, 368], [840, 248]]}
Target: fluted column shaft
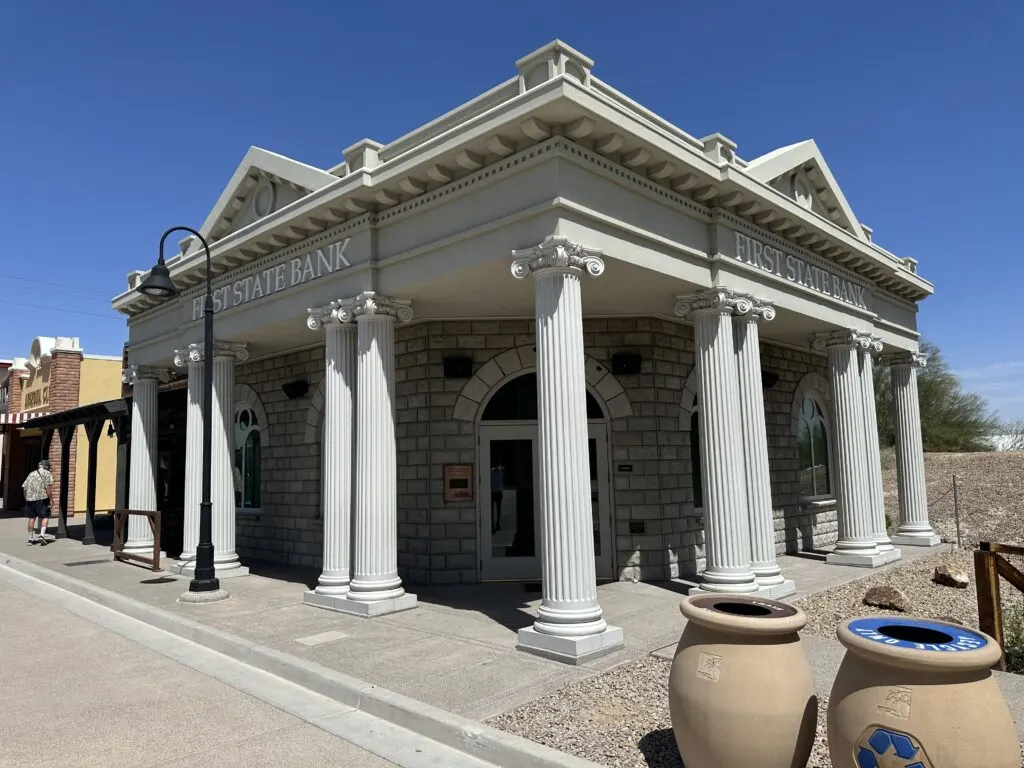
{"points": [[726, 522], [853, 500], [193, 454], [760, 510], [222, 454], [569, 606], [338, 457], [915, 529], [143, 467], [873, 470], [375, 559]]}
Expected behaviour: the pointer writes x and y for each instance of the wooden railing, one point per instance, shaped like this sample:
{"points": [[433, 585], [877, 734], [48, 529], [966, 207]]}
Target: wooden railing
{"points": [[988, 567], [120, 517]]}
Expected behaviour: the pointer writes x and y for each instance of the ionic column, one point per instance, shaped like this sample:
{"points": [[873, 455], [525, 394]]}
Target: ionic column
{"points": [[222, 458], [915, 529], [856, 544], [760, 510], [874, 457], [570, 625], [337, 442], [192, 358], [375, 588], [726, 522], [144, 382]]}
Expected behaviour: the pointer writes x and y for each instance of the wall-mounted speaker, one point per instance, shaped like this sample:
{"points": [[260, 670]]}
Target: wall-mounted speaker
{"points": [[458, 367], [626, 363], [768, 379], [293, 390]]}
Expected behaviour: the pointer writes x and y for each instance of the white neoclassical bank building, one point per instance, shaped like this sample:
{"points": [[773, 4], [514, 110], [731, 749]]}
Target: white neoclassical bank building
{"points": [[548, 336]]}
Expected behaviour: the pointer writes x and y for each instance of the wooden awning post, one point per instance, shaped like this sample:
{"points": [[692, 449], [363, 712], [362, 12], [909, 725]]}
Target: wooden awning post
{"points": [[94, 431]]}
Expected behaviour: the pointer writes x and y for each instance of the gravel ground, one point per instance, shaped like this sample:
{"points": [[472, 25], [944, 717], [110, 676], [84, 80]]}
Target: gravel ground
{"points": [[620, 718], [825, 610]]}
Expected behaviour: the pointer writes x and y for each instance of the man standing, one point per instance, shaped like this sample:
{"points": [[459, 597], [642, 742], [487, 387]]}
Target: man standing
{"points": [[37, 502]]}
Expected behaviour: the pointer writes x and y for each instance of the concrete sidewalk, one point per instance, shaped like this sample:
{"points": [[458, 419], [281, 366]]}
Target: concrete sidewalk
{"points": [[455, 652]]}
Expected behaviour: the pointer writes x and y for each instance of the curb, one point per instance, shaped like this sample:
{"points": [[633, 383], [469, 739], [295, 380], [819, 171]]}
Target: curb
{"points": [[455, 731]]}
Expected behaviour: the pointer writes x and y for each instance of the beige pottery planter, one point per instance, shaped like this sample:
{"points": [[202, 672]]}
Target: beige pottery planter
{"points": [[740, 689], [918, 693]]}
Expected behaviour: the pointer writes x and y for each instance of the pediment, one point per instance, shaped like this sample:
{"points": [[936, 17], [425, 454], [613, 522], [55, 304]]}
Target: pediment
{"points": [[263, 183], [800, 172]]}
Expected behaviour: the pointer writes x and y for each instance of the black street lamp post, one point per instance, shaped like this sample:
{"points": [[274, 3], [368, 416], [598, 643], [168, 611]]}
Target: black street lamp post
{"points": [[160, 286]]}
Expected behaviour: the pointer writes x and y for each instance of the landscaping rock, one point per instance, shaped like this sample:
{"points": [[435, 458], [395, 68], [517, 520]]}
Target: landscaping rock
{"points": [[890, 598], [951, 577]]}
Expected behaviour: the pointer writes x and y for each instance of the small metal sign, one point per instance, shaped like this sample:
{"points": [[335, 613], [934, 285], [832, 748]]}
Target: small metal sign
{"points": [[458, 482], [625, 468]]}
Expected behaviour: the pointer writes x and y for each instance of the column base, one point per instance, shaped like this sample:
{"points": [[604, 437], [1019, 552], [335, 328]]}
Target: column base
{"points": [[860, 561], [343, 604], [774, 591], [891, 555], [570, 650], [233, 569], [928, 540]]}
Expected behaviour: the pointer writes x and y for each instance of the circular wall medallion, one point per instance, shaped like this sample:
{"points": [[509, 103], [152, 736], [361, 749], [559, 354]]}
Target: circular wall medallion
{"points": [[266, 198], [802, 194]]}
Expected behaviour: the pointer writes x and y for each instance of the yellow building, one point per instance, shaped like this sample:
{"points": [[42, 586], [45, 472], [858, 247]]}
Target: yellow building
{"points": [[58, 376]]}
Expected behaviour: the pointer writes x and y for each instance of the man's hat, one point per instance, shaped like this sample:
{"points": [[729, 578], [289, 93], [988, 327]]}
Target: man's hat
{"points": [[44, 463]]}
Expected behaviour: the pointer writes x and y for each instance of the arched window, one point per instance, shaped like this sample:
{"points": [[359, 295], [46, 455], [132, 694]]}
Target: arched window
{"points": [[696, 479], [517, 401], [812, 447], [247, 457]]}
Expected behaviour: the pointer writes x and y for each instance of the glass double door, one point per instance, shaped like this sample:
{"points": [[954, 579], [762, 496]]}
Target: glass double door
{"points": [[510, 505]]}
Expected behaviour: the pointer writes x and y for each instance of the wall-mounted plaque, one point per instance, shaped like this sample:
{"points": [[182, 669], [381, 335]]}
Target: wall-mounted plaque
{"points": [[458, 482]]}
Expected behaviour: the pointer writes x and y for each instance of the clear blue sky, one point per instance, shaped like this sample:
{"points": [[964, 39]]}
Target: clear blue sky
{"points": [[118, 120]]}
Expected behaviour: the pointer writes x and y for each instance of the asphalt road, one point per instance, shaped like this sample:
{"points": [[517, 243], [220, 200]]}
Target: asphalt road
{"points": [[75, 695]]}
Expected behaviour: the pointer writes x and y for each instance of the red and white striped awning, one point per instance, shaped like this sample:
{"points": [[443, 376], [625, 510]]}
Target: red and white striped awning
{"points": [[20, 418]]}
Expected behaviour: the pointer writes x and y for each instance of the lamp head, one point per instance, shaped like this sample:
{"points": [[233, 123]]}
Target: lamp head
{"points": [[159, 284]]}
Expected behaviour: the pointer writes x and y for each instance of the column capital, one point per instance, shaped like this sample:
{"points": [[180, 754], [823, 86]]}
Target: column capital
{"points": [[318, 317], [134, 373], [911, 359], [849, 338], [366, 304], [760, 311], [716, 300], [194, 353], [557, 252]]}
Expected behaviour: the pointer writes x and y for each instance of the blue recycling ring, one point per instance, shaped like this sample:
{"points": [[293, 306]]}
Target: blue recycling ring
{"points": [[916, 634]]}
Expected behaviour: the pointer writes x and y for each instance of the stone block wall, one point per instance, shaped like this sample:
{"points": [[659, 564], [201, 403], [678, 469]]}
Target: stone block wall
{"points": [[656, 531], [287, 528]]}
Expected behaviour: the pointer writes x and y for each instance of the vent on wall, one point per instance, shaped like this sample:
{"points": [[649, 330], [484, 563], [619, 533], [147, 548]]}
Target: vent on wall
{"points": [[768, 379], [626, 363], [293, 390], [458, 367]]}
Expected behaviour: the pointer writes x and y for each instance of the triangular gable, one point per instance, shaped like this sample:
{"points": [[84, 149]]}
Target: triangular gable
{"points": [[235, 209], [800, 169]]}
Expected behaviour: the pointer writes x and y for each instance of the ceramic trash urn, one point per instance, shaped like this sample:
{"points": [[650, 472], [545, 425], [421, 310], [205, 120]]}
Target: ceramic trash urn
{"points": [[918, 693], [740, 688]]}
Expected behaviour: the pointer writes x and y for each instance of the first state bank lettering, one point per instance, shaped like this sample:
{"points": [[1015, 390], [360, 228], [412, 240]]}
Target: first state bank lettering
{"points": [[280, 277], [796, 270]]}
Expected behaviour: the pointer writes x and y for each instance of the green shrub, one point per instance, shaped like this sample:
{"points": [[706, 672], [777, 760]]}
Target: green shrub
{"points": [[1013, 638]]}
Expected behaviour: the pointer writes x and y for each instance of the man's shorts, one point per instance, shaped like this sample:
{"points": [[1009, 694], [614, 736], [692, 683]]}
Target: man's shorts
{"points": [[35, 509]]}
